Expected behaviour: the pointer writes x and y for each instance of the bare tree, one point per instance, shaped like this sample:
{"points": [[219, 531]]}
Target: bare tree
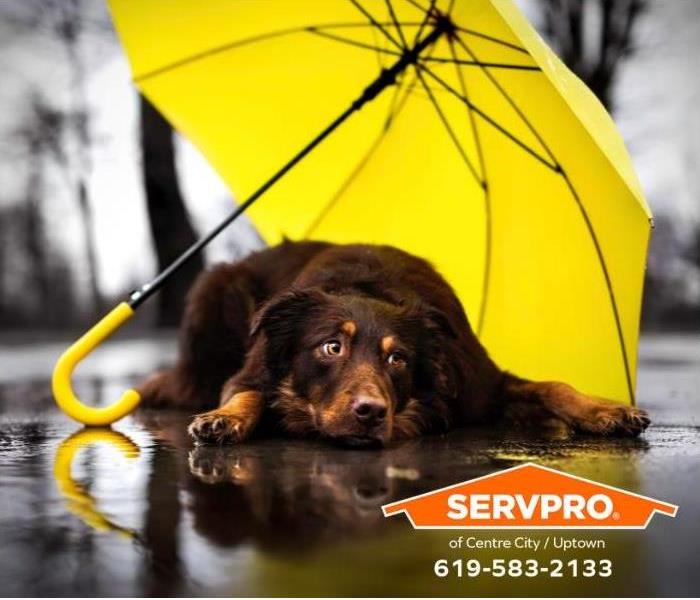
{"points": [[70, 22], [592, 37], [41, 137], [67, 21], [69, 25], [171, 228], [49, 284]]}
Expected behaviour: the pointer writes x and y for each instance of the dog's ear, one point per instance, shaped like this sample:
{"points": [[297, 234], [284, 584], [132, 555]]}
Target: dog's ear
{"points": [[434, 373], [431, 320], [282, 317], [436, 321]]}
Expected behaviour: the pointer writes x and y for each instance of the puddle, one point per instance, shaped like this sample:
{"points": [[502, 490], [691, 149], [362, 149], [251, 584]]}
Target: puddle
{"points": [[138, 510]]}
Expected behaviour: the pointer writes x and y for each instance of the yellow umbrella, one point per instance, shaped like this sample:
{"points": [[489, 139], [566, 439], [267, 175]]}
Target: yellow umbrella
{"points": [[447, 128]]}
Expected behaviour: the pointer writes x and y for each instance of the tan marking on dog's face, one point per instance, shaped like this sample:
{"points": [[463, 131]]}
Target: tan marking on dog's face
{"points": [[349, 328], [387, 343]]}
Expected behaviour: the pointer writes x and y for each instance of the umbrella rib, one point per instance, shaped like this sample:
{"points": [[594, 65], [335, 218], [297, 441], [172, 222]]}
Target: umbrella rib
{"points": [[466, 30], [487, 199], [477, 139], [493, 39], [490, 120], [351, 42], [394, 109], [476, 63], [437, 59], [376, 23], [589, 226], [244, 42], [344, 186], [449, 129], [417, 5], [508, 99], [396, 105], [378, 54], [485, 186], [274, 34], [397, 26], [608, 281], [428, 12]]}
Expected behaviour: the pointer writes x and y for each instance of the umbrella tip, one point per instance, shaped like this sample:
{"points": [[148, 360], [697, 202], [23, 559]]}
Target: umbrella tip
{"points": [[443, 22]]}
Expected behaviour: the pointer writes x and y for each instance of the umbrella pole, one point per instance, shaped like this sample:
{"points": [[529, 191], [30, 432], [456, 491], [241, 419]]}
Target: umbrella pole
{"points": [[61, 383]]}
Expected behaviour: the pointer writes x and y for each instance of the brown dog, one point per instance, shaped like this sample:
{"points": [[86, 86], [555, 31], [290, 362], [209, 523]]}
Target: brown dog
{"points": [[360, 344]]}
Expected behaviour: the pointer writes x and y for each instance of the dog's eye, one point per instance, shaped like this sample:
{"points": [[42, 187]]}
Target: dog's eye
{"points": [[332, 348], [396, 359]]}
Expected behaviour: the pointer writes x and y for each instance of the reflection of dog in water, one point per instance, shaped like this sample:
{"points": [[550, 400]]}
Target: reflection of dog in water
{"points": [[287, 495], [243, 494], [360, 344]]}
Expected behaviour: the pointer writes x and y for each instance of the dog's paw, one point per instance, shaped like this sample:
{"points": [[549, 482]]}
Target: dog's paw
{"points": [[207, 467], [217, 427], [615, 420], [212, 464]]}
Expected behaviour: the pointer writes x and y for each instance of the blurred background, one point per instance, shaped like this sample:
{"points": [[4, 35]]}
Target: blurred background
{"points": [[97, 193]]}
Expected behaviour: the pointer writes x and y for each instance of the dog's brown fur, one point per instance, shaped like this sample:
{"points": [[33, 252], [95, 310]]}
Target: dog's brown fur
{"points": [[357, 343]]}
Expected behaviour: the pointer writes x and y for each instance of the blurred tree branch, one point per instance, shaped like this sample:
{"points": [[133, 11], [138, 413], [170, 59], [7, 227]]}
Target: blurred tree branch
{"points": [[46, 298], [592, 37], [70, 145], [69, 26]]}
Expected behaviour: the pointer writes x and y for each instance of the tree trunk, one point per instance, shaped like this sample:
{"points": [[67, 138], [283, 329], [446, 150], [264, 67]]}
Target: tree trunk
{"points": [[170, 224], [90, 246]]}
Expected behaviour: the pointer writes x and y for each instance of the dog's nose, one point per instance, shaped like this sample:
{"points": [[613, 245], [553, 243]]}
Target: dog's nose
{"points": [[369, 410]]}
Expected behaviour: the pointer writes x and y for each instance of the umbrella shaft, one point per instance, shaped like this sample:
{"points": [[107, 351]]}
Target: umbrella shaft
{"points": [[385, 79]]}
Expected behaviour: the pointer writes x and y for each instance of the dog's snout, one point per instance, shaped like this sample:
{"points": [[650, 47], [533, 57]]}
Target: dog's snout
{"points": [[369, 410]]}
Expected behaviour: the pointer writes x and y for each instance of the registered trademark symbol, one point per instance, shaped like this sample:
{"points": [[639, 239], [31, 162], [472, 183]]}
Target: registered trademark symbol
{"points": [[616, 516]]}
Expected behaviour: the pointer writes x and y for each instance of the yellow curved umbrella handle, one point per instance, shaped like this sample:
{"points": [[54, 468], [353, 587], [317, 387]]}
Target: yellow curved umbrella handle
{"points": [[66, 399], [78, 500]]}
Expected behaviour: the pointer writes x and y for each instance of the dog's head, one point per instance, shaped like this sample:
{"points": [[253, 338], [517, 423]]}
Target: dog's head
{"points": [[344, 366]]}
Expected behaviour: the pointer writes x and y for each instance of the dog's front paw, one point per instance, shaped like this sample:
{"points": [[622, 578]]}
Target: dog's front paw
{"points": [[212, 464], [617, 420], [217, 427], [207, 466]]}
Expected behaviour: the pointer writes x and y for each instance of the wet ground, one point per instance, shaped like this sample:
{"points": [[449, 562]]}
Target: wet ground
{"points": [[138, 511]]}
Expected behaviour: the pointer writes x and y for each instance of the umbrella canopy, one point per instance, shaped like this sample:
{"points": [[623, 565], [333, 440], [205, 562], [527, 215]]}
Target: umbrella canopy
{"points": [[487, 157]]}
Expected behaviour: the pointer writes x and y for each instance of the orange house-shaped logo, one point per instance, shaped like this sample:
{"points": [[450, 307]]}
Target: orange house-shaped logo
{"points": [[529, 496]]}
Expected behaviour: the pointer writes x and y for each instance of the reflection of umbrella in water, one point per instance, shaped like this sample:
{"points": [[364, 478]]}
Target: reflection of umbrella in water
{"points": [[78, 500], [486, 156]]}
